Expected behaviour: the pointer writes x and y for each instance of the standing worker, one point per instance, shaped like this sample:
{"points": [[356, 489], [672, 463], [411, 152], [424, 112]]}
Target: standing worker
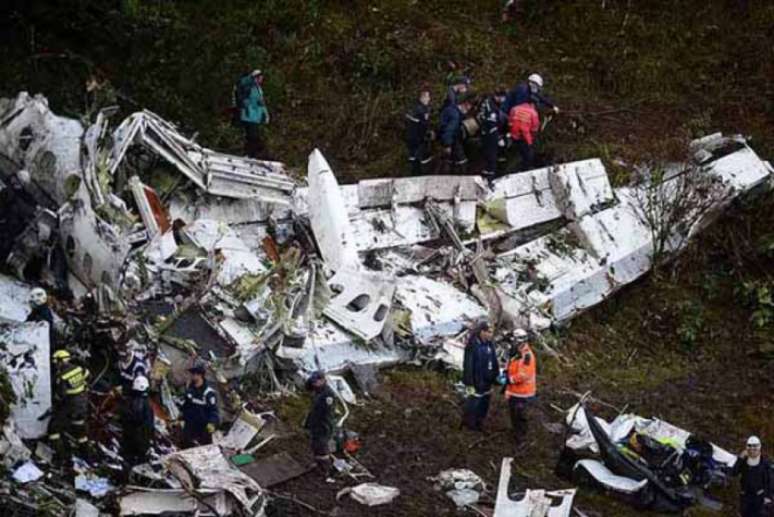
{"points": [[521, 382], [200, 409], [70, 407], [451, 136], [250, 106], [525, 124], [137, 422], [131, 364], [320, 420], [458, 87], [493, 119], [529, 91], [42, 312], [479, 373], [418, 133], [756, 480]]}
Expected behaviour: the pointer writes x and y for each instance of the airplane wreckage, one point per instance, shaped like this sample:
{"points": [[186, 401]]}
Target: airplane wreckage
{"points": [[267, 274]]}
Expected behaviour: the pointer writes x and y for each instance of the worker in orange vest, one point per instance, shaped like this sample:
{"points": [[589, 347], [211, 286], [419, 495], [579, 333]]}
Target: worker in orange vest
{"points": [[525, 124], [521, 383]]}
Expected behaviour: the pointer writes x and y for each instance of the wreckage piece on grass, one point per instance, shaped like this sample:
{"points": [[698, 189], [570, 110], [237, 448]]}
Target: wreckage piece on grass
{"points": [[370, 494], [204, 470], [534, 503], [216, 173], [24, 353], [150, 501]]}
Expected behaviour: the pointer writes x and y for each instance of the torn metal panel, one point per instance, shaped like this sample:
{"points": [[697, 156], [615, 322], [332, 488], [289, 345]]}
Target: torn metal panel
{"points": [[148, 501], [362, 302], [386, 192], [328, 216], [274, 470], [46, 145], [152, 212], [14, 300], [437, 308], [742, 169], [12, 449], [535, 503], [599, 472], [581, 188], [524, 199], [243, 430], [25, 355], [205, 468], [226, 210]]}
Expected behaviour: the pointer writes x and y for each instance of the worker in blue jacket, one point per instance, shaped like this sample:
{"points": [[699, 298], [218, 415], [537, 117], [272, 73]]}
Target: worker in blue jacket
{"points": [[250, 106], [200, 409], [529, 91], [131, 364], [451, 136], [480, 371]]}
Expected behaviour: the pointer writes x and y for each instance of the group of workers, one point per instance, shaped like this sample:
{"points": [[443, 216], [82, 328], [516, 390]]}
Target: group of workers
{"points": [[68, 426], [502, 119]]}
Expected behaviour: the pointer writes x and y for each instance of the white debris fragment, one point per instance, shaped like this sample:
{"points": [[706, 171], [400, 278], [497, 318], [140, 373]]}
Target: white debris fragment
{"points": [[535, 503], [373, 494], [27, 472]]}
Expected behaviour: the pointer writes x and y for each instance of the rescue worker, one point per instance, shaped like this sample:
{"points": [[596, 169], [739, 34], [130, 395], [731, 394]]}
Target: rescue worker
{"points": [[137, 423], [458, 87], [524, 126], [479, 373], [756, 479], [529, 91], [418, 133], [250, 105], [131, 363], [493, 120], [521, 382], [200, 409], [70, 407], [320, 420], [451, 136], [42, 312]]}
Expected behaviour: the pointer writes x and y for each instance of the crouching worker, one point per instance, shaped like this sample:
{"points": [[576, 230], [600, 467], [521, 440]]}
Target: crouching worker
{"points": [[521, 382], [320, 420], [756, 480], [200, 409], [137, 423], [479, 373], [70, 407]]}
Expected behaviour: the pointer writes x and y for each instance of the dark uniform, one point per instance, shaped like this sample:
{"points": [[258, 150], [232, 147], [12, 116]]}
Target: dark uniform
{"points": [[320, 424], [522, 93], [756, 486], [137, 424], [450, 135], [492, 120], [136, 366], [417, 129], [480, 371], [199, 409], [70, 408]]}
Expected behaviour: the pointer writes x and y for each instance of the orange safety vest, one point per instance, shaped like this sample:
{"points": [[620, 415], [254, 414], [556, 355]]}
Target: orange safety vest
{"points": [[522, 376]]}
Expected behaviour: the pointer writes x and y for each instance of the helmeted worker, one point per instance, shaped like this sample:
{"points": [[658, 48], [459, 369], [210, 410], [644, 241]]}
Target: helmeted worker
{"points": [[479, 373], [521, 382], [250, 105], [418, 133], [529, 91], [131, 364], [451, 136], [70, 406], [42, 312], [756, 479], [493, 121], [524, 126], [320, 420], [137, 422], [200, 409]]}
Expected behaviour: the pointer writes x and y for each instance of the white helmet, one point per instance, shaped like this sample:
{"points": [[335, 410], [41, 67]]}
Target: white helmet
{"points": [[140, 384], [753, 441], [520, 335], [23, 175], [38, 297], [535, 78]]}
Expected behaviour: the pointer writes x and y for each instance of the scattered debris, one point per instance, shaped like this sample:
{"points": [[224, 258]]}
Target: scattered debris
{"points": [[533, 503], [370, 494]]}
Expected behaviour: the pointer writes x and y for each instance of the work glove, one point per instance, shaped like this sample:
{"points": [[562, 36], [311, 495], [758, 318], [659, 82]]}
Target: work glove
{"points": [[470, 391], [556, 109], [501, 142], [210, 428], [502, 379], [181, 423]]}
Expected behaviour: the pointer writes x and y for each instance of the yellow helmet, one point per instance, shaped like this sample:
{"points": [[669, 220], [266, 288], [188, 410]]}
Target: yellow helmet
{"points": [[61, 355]]}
